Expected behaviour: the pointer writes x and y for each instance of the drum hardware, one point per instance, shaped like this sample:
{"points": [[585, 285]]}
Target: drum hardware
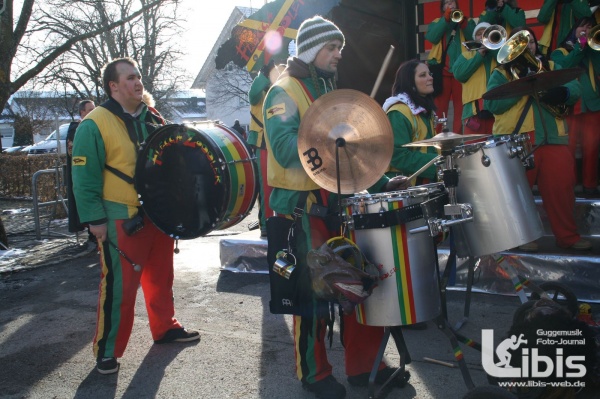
{"points": [[282, 265]]}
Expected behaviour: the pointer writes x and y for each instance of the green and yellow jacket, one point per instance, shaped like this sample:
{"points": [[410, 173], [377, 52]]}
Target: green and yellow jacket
{"points": [[508, 111]]}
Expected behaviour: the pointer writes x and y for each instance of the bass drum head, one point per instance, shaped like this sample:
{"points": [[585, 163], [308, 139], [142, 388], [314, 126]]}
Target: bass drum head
{"points": [[181, 182]]}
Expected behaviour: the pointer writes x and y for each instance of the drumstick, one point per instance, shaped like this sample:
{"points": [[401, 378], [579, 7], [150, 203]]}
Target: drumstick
{"points": [[424, 167], [384, 66], [428, 359]]}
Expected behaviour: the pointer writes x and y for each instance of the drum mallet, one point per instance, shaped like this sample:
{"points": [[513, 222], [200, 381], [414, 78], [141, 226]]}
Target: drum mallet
{"points": [[136, 267], [384, 66]]}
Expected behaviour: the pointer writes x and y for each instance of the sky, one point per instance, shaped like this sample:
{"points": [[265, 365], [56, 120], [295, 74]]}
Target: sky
{"points": [[203, 26]]}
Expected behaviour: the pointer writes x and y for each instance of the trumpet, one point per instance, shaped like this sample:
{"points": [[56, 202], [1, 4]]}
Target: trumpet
{"points": [[594, 38], [457, 16], [494, 37]]}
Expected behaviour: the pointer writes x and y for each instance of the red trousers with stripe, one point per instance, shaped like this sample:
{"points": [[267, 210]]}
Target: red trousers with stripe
{"points": [[554, 174], [361, 343], [583, 129], [153, 250], [452, 91]]}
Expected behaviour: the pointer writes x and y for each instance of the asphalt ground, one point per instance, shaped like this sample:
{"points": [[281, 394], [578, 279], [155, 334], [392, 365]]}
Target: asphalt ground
{"points": [[47, 321]]}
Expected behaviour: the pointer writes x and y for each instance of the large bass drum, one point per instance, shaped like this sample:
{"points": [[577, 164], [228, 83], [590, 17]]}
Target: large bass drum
{"points": [[192, 181]]}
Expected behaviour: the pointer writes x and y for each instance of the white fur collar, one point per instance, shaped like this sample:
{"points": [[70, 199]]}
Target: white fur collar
{"points": [[403, 98]]}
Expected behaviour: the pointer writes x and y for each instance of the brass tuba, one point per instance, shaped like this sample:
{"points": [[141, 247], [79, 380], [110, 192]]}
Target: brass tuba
{"points": [[515, 52]]}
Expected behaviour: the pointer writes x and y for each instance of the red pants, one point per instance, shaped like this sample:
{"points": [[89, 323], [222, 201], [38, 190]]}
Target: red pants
{"points": [[555, 177], [584, 128], [452, 91], [153, 250], [361, 343]]}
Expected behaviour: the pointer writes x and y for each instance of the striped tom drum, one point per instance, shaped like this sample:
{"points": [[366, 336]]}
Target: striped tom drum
{"points": [[193, 180], [408, 290]]}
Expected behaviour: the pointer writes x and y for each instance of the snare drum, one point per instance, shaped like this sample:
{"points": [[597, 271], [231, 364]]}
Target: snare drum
{"points": [[492, 179], [191, 181], [407, 290]]}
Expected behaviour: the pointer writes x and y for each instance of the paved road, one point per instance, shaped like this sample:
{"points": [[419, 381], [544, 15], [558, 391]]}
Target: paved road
{"points": [[47, 318]]}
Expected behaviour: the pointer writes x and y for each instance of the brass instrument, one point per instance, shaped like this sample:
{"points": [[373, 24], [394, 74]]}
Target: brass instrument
{"points": [[457, 16], [515, 52], [494, 37], [594, 38]]}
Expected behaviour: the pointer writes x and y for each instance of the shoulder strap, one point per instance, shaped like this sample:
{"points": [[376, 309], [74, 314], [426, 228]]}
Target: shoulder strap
{"points": [[119, 174], [523, 115]]}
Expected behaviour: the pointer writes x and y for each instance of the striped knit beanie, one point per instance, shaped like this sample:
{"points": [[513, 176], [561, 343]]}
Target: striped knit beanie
{"points": [[313, 34]]}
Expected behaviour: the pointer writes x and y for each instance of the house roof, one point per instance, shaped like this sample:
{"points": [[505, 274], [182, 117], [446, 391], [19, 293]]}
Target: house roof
{"points": [[237, 15]]}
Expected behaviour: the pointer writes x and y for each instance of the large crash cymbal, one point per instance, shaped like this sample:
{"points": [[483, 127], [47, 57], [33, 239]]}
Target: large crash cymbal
{"points": [[533, 83], [358, 124], [446, 140]]}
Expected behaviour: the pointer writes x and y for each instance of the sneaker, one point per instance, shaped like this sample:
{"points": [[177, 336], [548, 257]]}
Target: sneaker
{"points": [[581, 245], [530, 247], [107, 365], [179, 335], [362, 380], [327, 388]]}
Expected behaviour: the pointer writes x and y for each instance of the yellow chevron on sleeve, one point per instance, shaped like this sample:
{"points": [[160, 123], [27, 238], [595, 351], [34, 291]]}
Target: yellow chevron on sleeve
{"points": [[278, 109], [79, 161]]}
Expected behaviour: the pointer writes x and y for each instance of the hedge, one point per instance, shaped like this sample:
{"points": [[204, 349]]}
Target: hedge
{"points": [[16, 176]]}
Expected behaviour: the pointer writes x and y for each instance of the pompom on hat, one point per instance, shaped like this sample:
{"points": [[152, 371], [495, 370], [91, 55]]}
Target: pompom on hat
{"points": [[313, 34]]}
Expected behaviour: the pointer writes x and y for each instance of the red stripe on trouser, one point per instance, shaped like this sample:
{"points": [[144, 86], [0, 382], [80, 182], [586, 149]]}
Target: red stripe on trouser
{"points": [[554, 173], [452, 89], [590, 146], [154, 251], [265, 189], [361, 342]]}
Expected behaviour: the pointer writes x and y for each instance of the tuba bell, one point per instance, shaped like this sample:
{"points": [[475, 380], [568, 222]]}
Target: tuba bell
{"points": [[457, 16], [522, 62]]}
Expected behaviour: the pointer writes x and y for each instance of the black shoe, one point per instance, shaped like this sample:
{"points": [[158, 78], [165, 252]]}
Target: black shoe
{"points": [[179, 335], [362, 380], [327, 388], [107, 365]]}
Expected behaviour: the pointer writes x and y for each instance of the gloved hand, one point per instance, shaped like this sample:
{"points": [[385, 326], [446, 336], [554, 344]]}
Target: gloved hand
{"points": [[555, 96], [448, 14], [266, 69]]}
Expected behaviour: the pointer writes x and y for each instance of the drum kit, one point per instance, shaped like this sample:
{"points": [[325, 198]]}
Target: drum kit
{"points": [[484, 201]]}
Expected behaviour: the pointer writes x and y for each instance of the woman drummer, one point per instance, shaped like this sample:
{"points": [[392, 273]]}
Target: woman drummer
{"points": [[411, 111]]}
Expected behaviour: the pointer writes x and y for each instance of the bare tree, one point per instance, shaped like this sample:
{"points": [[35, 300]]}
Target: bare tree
{"points": [[228, 90], [37, 40]]}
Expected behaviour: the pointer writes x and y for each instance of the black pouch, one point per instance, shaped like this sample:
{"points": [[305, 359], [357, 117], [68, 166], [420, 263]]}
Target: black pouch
{"points": [[288, 295]]}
